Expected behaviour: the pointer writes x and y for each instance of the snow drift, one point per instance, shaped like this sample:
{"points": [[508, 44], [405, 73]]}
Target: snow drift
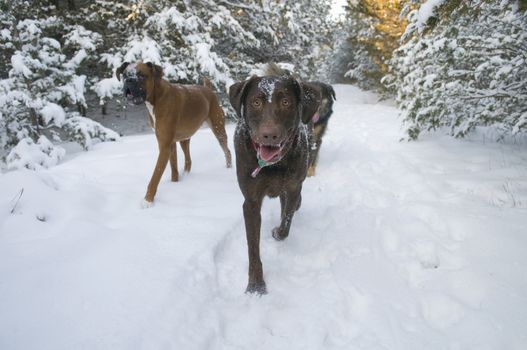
{"points": [[397, 246]]}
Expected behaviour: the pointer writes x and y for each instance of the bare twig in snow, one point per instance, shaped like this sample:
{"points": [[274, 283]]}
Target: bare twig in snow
{"points": [[16, 199]]}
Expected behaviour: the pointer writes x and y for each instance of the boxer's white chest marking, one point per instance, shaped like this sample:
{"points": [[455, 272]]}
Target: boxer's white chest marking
{"points": [[152, 114]]}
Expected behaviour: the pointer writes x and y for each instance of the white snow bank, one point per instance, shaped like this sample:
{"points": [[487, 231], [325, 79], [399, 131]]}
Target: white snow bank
{"points": [[397, 246], [35, 156], [88, 132]]}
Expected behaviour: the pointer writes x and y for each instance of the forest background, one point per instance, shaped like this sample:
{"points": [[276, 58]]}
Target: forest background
{"points": [[450, 65]]}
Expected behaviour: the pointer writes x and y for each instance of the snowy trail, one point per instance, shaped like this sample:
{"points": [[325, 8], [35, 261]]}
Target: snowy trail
{"points": [[397, 246]]}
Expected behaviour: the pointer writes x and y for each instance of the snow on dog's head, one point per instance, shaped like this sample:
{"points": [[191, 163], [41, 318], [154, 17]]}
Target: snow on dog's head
{"points": [[272, 108]]}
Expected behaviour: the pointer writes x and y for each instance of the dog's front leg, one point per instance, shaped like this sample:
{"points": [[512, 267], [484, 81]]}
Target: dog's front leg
{"points": [[313, 157], [290, 202], [162, 160], [253, 220], [316, 141]]}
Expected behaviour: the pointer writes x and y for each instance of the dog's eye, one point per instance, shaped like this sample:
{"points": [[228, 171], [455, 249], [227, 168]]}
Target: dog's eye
{"points": [[257, 103], [285, 102]]}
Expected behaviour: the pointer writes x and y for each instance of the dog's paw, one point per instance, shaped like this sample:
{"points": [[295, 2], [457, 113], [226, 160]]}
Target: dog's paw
{"points": [[146, 204], [279, 234], [256, 288], [311, 171]]}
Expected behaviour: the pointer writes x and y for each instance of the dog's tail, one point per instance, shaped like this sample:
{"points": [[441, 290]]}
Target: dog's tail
{"points": [[207, 83]]}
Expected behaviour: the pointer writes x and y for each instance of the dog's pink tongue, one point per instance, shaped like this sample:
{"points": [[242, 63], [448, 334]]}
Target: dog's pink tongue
{"points": [[268, 152]]}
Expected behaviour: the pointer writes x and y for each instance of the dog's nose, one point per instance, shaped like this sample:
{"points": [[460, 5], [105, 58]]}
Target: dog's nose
{"points": [[269, 134]]}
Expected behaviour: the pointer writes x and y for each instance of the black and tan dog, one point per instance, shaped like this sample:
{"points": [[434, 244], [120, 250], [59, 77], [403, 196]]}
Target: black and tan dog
{"points": [[320, 122], [176, 112], [272, 152]]}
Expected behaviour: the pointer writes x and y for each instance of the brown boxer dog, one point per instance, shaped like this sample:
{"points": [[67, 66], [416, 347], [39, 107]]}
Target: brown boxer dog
{"points": [[175, 113], [272, 153]]}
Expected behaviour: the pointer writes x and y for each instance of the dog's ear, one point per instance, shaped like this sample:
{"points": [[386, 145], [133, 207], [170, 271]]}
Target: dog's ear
{"points": [[309, 96], [327, 89], [332, 92], [237, 94], [119, 71], [157, 71]]}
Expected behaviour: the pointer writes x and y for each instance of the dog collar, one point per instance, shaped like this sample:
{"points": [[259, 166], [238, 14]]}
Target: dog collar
{"points": [[262, 163]]}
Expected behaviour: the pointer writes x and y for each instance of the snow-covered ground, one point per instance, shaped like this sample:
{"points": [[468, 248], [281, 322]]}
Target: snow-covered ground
{"points": [[397, 246]]}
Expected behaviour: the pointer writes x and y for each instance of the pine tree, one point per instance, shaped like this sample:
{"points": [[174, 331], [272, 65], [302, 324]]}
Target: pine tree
{"points": [[463, 66], [59, 50], [368, 37], [42, 93]]}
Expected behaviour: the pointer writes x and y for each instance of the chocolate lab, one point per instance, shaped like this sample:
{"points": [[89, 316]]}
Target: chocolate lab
{"points": [[175, 112], [320, 122], [272, 153]]}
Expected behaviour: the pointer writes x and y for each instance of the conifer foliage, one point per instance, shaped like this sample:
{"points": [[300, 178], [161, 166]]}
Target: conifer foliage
{"points": [[449, 63], [463, 65], [369, 33], [59, 51], [41, 93]]}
